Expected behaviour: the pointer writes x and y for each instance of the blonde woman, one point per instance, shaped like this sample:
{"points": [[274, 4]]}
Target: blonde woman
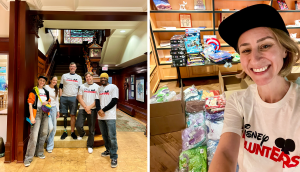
{"points": [[262, 123]]}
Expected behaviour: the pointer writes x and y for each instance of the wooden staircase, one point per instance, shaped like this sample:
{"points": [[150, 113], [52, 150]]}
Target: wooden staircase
{"points": [[69, 142]]}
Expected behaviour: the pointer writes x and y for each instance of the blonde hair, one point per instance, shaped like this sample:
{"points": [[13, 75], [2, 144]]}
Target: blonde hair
{"points": [[293, 53]]}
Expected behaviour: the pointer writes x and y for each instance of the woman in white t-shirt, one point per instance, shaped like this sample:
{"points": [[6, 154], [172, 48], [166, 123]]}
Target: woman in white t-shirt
{"points": [[262, 123], [54, 113]]}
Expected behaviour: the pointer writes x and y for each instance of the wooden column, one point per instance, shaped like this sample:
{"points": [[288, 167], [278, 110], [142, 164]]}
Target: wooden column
{"points": [[23, 65]]}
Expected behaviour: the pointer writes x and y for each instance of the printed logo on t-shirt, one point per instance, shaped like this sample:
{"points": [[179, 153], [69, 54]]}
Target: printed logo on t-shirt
{"points": [[104, 92], [71, 80], [87, 90], [42, 95], [278, 153]]}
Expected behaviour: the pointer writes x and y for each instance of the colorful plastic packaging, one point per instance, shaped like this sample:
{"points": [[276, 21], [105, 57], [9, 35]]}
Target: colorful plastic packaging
{"points": [[214, 129], [211, 149], [194, 160]]}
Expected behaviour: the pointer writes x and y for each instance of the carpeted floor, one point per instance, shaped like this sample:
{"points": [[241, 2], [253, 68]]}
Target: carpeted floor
{"points": [[125, 123]]}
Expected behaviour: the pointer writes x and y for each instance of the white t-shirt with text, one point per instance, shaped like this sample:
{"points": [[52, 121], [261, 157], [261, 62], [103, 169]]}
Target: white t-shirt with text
{"points": [[106, 94], [89, 94], [270, 131], [43, 97], [71, 83], [54, 100]]}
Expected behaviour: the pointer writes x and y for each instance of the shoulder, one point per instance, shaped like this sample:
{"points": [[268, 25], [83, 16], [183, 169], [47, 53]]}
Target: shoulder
{"points": [[46, 90], [77, 75], [240, 95], [113, 86], [96, 85], [65, 74]]}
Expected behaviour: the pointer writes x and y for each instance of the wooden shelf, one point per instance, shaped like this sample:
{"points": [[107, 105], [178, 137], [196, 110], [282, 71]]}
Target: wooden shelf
{"points": [[291, 11], [165, 63], [179, 30], [181, 11], [162, 48], [219, 11], [224, 45]]}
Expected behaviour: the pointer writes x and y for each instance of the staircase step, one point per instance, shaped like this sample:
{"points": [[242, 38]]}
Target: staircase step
{"points": [[60, 122], [60, 130], [69, 142]]}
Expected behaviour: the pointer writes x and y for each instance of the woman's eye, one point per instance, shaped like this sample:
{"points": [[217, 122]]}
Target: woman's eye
{"points": [[245, 51], [265, 46]]}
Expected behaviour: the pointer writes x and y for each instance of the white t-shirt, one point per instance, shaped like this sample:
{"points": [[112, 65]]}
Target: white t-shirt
{"points": [[54, 100], [106, 93], [43, 96], [71, 83], [89, 94], [269, 129]]}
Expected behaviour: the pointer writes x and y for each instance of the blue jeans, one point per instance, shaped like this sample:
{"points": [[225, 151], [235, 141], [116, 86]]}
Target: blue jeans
{"points": [[109, 134], [50, 140]]}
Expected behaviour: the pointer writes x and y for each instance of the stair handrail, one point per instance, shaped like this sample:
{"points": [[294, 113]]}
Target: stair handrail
{"points": [[51, 65]]}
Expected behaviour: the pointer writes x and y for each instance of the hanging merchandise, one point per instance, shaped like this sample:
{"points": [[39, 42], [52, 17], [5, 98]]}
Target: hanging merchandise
{"points": [[193, 160], [215, 116], [214, 42], [211, 149], [214, 129], [195, 106]]}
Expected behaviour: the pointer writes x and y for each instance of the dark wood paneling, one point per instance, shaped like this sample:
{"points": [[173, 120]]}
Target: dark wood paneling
{"points": [[4, 46], [92, 16], [23, 68]]}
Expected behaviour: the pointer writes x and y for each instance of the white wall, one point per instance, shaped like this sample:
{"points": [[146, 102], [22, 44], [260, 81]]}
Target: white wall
{"points": [[4, 22], [3, 127], [45, 41], [112, 53], [135, 43]]}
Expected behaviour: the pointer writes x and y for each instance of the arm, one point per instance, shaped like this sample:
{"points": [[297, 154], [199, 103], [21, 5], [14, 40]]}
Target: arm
{"points": [[57, 107], [32, 119], [61, 85], [97, 102], [225, 159], [112, 103]]}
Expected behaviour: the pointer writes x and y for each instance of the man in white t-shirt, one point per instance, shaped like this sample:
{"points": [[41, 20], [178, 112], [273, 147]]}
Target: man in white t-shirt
{"points": [[68, 89], [108, 96], [87, 95]]}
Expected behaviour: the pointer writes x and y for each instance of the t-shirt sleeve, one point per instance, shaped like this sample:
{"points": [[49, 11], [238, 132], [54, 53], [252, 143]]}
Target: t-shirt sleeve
{"points": [[80, 92], [62, 79], [233, 118], [80, 81], [115, 92], [97, 93]]}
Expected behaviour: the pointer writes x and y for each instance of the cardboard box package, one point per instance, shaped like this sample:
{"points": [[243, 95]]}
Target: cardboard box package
{"points": [[167, 117]]}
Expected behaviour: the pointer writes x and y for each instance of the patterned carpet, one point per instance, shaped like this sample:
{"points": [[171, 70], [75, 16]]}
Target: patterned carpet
{"points": [[125, 123]]}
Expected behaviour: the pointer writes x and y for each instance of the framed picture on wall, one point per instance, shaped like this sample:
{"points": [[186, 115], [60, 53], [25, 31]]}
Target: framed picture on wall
{"points": [[132, 94], [132, 79], [185, 20], [132, 87], [140, 90], [127, 90]]}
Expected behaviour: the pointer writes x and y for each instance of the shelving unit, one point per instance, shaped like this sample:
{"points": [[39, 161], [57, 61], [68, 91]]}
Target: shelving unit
{"points": [[209, 18]]}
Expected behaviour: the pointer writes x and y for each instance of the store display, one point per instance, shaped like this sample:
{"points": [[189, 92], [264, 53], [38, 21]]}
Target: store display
{"points": [[162, 4], [182, 6], [199, 4], [193, 160], [193, 137], [178, 51], [195, 106], [214, 129]]}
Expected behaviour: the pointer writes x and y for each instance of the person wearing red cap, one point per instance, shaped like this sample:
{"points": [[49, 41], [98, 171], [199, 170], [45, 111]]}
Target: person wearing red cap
{"points": [[262, 123]]}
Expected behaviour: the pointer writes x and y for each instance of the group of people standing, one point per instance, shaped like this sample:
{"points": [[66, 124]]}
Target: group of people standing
{"points": [[96, 102]]}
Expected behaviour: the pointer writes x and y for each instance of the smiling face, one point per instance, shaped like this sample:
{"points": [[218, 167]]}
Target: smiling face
{"points": [[72, 68], [103, 81], [261, 55], [89, 78], [53, 81], [41, 82]]}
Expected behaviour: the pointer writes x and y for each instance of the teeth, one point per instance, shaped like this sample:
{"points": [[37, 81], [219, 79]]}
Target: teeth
{"points": [[261, 69]]}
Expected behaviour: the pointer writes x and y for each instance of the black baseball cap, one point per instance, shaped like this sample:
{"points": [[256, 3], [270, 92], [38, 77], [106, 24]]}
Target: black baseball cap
{"points": [[260, 15], [43, 77]]}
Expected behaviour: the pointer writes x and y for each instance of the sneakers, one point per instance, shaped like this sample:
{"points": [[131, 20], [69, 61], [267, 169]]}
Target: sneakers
{"points": [[42, 156], [106, 153], [90, 150], [49, 151], [114, 163], [26, 163], [64, 135], [73, 135], [80, 138]]}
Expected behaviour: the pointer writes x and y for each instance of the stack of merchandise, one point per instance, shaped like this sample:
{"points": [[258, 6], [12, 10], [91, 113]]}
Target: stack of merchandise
{"points": [[194, 47], [178, 51], [164, 95], [204, 117]]}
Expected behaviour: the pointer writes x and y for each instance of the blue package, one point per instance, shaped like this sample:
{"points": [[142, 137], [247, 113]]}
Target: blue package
{"points": [[193, 44], [211, 149]]}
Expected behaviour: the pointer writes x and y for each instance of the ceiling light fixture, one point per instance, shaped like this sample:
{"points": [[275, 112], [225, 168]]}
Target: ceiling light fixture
{"points": [[122, 31]]}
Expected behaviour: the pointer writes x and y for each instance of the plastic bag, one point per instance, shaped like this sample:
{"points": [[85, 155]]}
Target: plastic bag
{"points": [[193, 137], [195, 106], [170, 96], [194, 160], [192, 93], [211, 149], [214, 129], [209, 93], [214, 116], [215, 104], [160, 95], [195, 119], [177, 97]]}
